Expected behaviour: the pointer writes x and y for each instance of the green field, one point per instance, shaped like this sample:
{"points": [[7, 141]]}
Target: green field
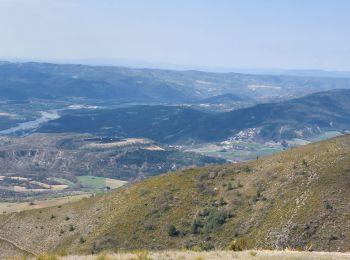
{"points": [[98, 184]]}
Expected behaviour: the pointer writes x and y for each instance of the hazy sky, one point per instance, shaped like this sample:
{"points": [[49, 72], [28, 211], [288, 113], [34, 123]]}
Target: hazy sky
{"points": [[298, 34]]}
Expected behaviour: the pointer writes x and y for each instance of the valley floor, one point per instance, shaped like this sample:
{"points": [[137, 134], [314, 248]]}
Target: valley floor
{"points": [[190, 255]]}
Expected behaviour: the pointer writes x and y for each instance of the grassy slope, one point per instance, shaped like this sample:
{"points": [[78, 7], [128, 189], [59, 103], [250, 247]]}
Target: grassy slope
{"points": [[213, 255], [301, 203]]}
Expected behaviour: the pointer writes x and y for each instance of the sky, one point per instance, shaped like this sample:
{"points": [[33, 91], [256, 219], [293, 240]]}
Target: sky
{"points": [[264, 34]]}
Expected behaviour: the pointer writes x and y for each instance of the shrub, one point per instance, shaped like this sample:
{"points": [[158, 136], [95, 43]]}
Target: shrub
{"points": [[172, 231], [257, 196], [210, 219], [61, 252], [229, 186], [222, 202], [82, 240], [196, 248], [238, 245], [328, 206], [205, 212], [71, 228], [196, 225], [207, 246], [247, 169], [305, 163], [217, 217]]}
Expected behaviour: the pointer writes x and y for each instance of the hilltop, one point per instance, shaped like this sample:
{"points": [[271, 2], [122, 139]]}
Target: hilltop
{"points": [[294, 199]]}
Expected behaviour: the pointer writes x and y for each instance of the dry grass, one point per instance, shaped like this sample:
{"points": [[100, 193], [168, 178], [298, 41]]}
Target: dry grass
{"points": [[9, 207], [114, 184], [212, 255]]}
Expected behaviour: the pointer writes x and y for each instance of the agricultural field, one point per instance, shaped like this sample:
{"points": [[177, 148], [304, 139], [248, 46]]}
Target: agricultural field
{"points": [[50, 196], [85, 187], [98, 184], [65, 163], [9, 207]]}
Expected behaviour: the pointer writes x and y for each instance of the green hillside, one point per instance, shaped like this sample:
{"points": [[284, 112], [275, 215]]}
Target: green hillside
{"points": [[296, 199]]}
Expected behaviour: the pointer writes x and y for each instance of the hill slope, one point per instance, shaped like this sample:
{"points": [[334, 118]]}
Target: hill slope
{"points": [[302, 117], [296, 199], [221, 99], [73, 155]]}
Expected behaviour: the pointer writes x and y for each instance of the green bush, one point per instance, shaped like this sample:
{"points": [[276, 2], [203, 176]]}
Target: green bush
{"points": [[305, 163], [71, 228], [205, 212], [172, 231], [222, 202], [217, 217]]}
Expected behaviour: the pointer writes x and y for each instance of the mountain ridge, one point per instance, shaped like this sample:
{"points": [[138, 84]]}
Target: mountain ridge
{"points": [[296, 118], [22, 81]]}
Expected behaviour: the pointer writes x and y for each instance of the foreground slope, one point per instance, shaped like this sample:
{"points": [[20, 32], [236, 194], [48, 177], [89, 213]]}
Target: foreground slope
{"points": [[297, 199], [213, 255]]}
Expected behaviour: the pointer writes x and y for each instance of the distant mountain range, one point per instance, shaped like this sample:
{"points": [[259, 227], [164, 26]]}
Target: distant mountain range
{"points": [[301, 117], [169, 66], [23, 81]]}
